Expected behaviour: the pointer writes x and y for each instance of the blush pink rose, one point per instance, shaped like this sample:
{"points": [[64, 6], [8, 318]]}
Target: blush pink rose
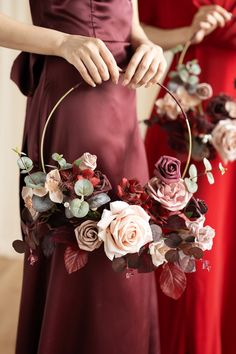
{"points": [[187, 101], [124, 229], [204, 91], [205, 238], [224, 139], [172, 196], [167, 106]]}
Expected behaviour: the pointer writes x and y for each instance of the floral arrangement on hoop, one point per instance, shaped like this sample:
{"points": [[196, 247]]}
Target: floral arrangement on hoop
{"points": [[142, 228], [213, 124]]}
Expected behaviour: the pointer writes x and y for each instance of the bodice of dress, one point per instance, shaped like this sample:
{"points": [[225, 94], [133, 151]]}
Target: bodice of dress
{"points": [[109, 20]]}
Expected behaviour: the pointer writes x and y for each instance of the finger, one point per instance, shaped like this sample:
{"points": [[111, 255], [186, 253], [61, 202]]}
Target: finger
{"points": [[101, 66], [133, 65], [220, 19], [151, 72], [199, 36], [227, 15], [211, 19], [159, 74], [143, 68], [92, 69], [84, 72], [205, 25], [110, 63]]}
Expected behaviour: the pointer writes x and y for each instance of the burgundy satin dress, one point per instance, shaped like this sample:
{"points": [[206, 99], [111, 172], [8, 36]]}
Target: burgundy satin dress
{"points": [[95, 310], [203, 320]]}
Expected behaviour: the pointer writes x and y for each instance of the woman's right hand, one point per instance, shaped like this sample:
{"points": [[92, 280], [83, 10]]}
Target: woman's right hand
{"points": [[206, 20], [91, 58]]}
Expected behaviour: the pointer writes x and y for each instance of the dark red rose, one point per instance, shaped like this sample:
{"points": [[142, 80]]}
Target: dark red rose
{"points": [[104, 184], [196, 208], [216, 107], [167, 169]]}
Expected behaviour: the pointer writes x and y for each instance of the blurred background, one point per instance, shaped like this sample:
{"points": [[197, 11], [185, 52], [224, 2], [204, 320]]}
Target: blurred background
{"points": [[12, 110]]}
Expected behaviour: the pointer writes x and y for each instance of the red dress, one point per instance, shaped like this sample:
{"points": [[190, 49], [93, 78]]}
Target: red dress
{"points": [[94, 310], [203, 321]]}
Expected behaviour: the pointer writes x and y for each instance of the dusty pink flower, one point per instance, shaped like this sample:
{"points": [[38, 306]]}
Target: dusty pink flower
{"points": [[196, 225], [224, 139], [167, 106], [187, 101], [173, 196], [124, 229], [204, 91], [230, 107], [88, 161], [52, 185], [87, 236], [167, 169], [205, 238], [157, 251], [27, 195]]}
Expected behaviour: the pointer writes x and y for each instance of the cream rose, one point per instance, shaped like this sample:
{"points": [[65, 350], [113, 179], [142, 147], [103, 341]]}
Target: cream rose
{"points": [[224, 139], [87, 236], [172, 196], [124, 229], [157, 251], [88, 161]]}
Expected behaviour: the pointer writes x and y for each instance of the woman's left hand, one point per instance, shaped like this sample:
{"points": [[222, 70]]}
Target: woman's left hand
{"points": [[146, 67]]}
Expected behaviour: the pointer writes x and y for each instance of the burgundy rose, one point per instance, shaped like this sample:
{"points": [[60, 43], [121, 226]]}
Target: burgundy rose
{"points": [[104, 184], [216, 107], [167, 169], [196, 207]]}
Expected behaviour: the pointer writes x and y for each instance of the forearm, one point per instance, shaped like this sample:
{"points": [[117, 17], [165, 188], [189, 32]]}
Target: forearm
{"points": [[138, 36], [167, 39], [29, 38]]}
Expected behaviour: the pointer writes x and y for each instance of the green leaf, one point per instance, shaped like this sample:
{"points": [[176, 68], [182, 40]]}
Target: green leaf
{"points": [[193, 80], [83, 187], [35, 180], [207, 164], [210, 178], [79, 208], [195, 69], [184, 75], [193, 172], [25, 163], [222, 169], [57, 157], [191, 185], [42, 204]]}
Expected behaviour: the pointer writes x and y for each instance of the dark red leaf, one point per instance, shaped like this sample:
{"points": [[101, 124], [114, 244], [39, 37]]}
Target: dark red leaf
{"points": [[146, 265], [133, 260], [19, 246], [173, 240], [175, 222], [119, 264], [172, 281], [75, 259], [172, 256], [187, 264], [196, 252]]}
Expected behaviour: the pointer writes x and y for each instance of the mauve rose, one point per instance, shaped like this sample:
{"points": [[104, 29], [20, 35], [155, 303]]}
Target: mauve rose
{"points": [[224, 139], [173, 196], [88, 161], [204, 91], [124, 229], [167, 169], [104, 185], [87, 236]]}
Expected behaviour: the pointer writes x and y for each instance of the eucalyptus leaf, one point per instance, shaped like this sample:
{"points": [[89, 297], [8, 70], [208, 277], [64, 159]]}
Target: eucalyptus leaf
{"points": [[210, 178], [98, 200], [191, 185], [57, 157], [83, 187], [79, 208], [156, 232], [184, 75], [207, 165], [42, 204], [195, 69], [193, 80], [35, 180], [67, 166], [25, 163], [193, 172]]}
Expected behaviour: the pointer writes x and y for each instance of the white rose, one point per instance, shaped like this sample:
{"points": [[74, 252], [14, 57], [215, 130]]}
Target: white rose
{"points": [[157, 251], [88, 161], [124, 229]]}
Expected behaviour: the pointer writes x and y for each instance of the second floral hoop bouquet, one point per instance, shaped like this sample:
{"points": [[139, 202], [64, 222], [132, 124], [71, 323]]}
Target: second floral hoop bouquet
{"points": [[159, 224]]}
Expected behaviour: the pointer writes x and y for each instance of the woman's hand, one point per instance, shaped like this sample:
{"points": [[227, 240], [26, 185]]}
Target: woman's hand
{"points": [[206, 20], [146, 67], [91, 58]]}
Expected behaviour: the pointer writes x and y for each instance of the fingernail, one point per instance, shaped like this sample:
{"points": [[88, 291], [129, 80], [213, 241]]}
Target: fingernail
{"points": [[125, 82]]}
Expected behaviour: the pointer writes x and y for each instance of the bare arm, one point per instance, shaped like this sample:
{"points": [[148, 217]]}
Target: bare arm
{"points": [[204, 22]]}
